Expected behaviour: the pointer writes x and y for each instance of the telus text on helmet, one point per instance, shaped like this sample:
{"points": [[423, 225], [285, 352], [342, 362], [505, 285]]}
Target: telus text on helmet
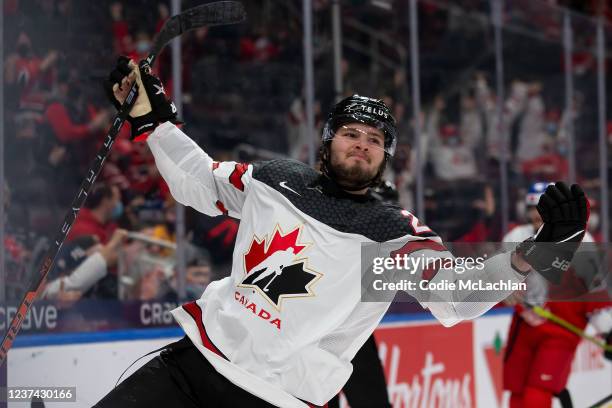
{"points": [[365, 108]]}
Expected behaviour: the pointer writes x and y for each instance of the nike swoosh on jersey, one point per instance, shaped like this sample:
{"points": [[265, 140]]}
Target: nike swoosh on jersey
{"points": [[284, 185]]}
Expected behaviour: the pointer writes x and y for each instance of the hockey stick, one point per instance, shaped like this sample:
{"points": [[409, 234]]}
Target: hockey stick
{"points": [[600, 403], [540, 311], [206, 15]]}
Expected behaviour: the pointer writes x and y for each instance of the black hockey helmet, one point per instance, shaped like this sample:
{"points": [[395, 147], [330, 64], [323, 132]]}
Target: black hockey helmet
{"points": [[361, 109]]}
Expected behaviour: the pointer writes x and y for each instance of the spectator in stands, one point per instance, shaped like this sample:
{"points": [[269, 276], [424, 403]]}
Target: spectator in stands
{"points": [[30, 75], [142, 173], [548, 166], [22, 150], [298, 138], [480, 215], [142, 45], [80, 265], [159, 281], [451, 159], [73, 122], [471, 127], [120, 29], [131, 210], [199, 272], [551, 163], [33, 165], [532, 136], [525, 104], [258, 47], [102, 207], [166, 230], [487, 106]]}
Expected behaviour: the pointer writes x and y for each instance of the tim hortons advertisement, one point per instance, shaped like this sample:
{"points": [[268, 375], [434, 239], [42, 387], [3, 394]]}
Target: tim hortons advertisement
{"points": [[428, 365]]}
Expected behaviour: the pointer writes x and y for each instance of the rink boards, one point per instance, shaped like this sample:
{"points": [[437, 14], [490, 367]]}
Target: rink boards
{"points": [[425, 363]]}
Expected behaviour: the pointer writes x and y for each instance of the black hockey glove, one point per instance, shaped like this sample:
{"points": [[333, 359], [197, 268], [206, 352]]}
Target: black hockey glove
{"points": [[608, 353], [162, 109], [565, 213]]}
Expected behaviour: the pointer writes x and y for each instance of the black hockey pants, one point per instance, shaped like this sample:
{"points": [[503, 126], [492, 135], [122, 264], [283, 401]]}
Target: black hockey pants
{"points": [[179, 377]]}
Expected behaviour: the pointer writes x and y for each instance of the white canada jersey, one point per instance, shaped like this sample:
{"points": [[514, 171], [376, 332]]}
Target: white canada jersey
{"points": [[288, 321]]}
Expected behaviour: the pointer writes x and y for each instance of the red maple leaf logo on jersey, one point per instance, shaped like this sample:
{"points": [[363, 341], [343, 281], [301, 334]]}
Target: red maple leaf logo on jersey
{"points": [[273, 267], [258, 252]]}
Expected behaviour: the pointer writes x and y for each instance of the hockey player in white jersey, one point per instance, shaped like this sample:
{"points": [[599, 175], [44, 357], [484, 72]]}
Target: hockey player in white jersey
{"points": [[291, 345]]}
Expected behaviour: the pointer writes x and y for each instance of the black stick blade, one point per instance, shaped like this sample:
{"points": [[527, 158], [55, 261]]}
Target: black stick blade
{"points": [[205, 15], [212, 14]]}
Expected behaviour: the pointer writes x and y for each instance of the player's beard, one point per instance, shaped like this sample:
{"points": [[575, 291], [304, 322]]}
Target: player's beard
{"points": [[351, 176]]}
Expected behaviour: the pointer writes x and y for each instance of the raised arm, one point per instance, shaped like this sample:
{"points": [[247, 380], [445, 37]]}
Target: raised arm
{"points": [[193, 177]]}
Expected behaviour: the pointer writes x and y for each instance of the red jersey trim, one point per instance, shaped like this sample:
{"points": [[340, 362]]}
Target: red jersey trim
{"points": [[236, 177], [195, 312]]}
